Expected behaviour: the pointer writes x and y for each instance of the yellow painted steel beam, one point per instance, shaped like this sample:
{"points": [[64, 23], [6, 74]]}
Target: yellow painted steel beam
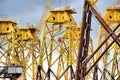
{"points": [[92, 1]]}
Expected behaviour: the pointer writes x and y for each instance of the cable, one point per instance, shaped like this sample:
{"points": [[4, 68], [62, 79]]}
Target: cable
{"points": [[117, 2]]}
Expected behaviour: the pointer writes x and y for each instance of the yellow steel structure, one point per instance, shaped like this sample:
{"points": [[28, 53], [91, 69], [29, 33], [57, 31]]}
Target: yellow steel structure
{"points": [[9, 42], [110, 60], [60, 39], [52, 38], [92, 1], [57, 51], [19, 47], [31, 44]]}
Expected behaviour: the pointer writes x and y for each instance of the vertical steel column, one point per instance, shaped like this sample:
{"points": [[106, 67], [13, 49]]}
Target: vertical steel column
{"points": [[79, 63], [95, 76], [48, 74], [84, 42], [39, 77]]}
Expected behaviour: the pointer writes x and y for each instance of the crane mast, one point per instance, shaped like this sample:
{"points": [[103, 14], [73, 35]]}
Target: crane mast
{"points": [[117, 2], [44, 14]]}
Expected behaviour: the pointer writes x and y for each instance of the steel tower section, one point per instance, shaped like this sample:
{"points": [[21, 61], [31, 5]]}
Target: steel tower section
{"points": [[108, 34]]}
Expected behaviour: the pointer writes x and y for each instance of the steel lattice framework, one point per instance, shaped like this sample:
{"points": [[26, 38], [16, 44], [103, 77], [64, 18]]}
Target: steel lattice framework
{"points": [[59, 43], [64, 51]]}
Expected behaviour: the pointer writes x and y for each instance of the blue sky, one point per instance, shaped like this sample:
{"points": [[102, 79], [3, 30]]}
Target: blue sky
{"points": [[25, 11]]}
